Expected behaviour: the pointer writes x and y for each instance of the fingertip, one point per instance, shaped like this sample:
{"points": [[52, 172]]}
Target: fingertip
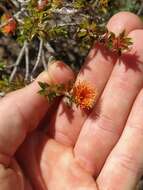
{"points": [[136, 37], [58, 72], [136, 47], [124, 21]]}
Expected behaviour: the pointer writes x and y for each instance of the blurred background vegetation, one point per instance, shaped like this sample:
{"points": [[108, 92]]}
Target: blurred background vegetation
{"points": [[33, 32]]}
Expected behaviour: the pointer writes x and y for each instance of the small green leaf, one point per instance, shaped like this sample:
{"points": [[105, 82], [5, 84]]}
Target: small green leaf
{"points": [[43, 85]]}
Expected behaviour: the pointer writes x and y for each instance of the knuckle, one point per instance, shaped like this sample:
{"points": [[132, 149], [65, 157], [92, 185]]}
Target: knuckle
{"points": [[137, 127], [123, 82], [129, 163], [107, 123]]}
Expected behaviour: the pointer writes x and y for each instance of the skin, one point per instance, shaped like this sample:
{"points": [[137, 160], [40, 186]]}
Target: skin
{"points": [[51, 147]]}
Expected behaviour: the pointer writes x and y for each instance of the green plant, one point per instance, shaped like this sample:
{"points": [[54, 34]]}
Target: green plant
{"points": [[59, 29]]}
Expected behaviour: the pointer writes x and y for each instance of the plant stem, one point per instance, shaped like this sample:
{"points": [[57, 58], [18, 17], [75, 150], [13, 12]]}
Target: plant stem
{"points": [[26, 61], [49, 48], [140, 10], [17, 62], [43, 60], [39, 56]]}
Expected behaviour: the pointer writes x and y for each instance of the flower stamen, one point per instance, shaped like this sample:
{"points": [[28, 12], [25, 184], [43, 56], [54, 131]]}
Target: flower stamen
{"points": [[84, 95]]}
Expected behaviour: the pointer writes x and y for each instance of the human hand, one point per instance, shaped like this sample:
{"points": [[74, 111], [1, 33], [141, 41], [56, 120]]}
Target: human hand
{"points": [[100, 150]]}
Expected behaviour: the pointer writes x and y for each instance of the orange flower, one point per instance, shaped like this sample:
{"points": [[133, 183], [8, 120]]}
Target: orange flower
{"points": [[84, 94], [11, 26]]}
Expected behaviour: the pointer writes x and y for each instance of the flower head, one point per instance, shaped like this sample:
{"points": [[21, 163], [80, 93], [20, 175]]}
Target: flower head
{"points": [[10, 26], [117, 44], [84, 95]]}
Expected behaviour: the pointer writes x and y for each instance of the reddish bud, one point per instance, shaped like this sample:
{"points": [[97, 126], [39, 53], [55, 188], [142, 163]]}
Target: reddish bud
{"points": [[41, 4]]}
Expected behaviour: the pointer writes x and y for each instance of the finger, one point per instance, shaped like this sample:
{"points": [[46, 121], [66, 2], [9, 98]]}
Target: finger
{"points": [[11, 177], [96, 70], [119, 22], [104, 126], [22, 110], [125, 163]]}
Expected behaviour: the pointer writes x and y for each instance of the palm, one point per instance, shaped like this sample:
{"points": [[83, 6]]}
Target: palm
{"points": [[58, 166]]}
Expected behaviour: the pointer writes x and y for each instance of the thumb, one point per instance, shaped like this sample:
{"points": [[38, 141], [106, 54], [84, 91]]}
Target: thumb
{"points": [[22, 110]]}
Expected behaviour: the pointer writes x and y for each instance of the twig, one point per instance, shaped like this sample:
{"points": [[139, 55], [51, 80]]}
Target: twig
{"points": [[23, 2], [140, 10], [9, 66], [39, 56], [3, 8], [68, 24], [17, 63], [49, 48], [26, 61], [43, 60], [51, 59], [15, 3], [51, 52], [17, 16], [65, 11]]}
